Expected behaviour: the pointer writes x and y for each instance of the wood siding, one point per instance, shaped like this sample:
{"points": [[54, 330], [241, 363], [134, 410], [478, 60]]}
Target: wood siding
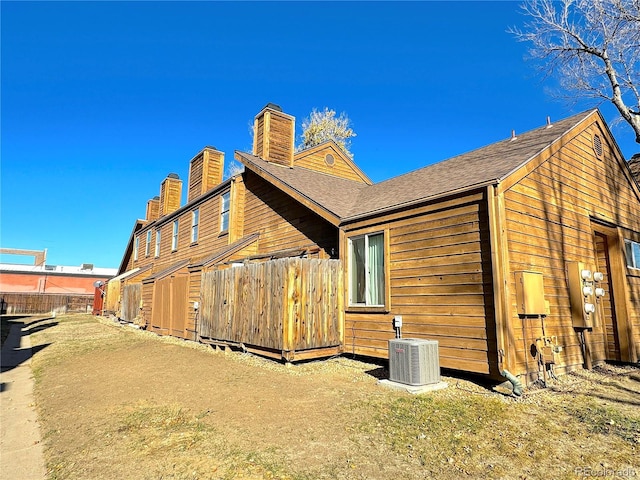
{"points": [[274, 137], [440, 282], [170, 195], [551, 217], [131, 298], [287, 307], [31, 303], [282, 222], [315, 159], [205, 172]]}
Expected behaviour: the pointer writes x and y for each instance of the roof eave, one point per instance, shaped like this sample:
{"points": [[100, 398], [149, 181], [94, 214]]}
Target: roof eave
{"points": [[422, 200]]}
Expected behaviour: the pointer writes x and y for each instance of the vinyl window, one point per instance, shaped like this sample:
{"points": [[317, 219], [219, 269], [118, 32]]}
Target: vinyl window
{"points": [[147, 247], [195, 220], [174, 236], [136, 246], [225, 201], [366, 270], [157, 252], [632, 250]]}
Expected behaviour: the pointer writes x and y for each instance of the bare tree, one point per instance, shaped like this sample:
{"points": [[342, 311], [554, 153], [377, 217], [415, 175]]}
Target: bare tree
{"points": [[593, 46], [323, 126]]}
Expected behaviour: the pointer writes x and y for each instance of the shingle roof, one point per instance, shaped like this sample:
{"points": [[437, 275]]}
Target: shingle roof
{"points": [[490, 164], [334, 194], [483, 166]]}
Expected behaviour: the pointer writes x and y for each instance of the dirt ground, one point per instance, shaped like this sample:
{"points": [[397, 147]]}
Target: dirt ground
{"points": [[116, 402]]}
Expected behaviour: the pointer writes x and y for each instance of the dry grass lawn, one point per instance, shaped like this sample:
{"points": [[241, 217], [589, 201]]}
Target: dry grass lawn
{"points": [[119, 403]]}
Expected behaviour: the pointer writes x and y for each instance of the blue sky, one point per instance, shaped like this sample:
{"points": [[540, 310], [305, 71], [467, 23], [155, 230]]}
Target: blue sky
{"points": [[101, 100]]}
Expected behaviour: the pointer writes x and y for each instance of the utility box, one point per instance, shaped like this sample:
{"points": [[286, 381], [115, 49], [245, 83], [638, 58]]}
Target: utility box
{"points": [[530, 293], [414, 361], [583, 282]]}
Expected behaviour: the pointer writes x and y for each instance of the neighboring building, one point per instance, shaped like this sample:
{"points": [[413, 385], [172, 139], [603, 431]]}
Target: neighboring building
{"points": [[51, 284], [478, 252]]}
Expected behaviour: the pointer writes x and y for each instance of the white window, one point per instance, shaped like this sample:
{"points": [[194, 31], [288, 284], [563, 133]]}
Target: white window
{"points": [[174, 236], [136, 245], [147, 247], [632, 249], [157, 253], [366, 270], [224, 211], [195, 219]]}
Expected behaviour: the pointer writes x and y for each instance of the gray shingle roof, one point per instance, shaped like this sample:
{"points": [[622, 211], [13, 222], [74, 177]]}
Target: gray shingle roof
{"points": [[490, 164], [334, 194]]}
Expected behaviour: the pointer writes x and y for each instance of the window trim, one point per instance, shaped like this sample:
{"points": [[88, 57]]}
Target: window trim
{"points": [[359, 307], [195, 225], [147, 247], [174, 235]]}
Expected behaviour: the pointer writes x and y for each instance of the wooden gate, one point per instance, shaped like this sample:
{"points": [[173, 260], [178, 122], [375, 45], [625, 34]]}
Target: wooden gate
{"points": [[169, 312], [289, 308], [132, 294]]}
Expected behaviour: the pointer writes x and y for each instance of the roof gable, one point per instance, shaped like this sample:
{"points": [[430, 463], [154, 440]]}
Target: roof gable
{"points": [[328, 196], [329, 158], [129, 250]]}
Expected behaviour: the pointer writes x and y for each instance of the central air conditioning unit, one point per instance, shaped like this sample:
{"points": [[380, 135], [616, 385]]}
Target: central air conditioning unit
{"points": [[414, 361]]}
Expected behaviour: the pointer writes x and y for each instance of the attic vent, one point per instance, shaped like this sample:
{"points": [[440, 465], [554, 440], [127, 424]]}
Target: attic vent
{"points": [[329, 160], [597, 145]]}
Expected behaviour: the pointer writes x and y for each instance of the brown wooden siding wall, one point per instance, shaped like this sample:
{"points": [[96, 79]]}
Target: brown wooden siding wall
{"points": [[153, 209], [440, 283], [258, 141], [281, 139], [282, 222], [205, 172], [195, 177], [170, 195], [548, 224]]}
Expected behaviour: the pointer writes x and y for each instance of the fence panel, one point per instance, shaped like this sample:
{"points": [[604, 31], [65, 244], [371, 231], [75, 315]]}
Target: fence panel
{"points": [[131, 301], [287, 305], [29, 303]]}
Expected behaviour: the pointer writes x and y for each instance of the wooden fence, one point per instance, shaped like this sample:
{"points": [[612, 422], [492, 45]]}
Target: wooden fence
{"points": [[289, 308], [12, 303], [131, 297]]}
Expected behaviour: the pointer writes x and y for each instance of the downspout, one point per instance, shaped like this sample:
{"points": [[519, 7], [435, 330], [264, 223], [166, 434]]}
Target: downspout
{"points": [[500, 286]]}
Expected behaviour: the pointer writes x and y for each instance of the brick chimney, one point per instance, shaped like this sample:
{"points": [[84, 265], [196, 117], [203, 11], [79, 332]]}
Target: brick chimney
{"points": [[153, 209], [205, 172], [170, 193], [274, 135]]}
